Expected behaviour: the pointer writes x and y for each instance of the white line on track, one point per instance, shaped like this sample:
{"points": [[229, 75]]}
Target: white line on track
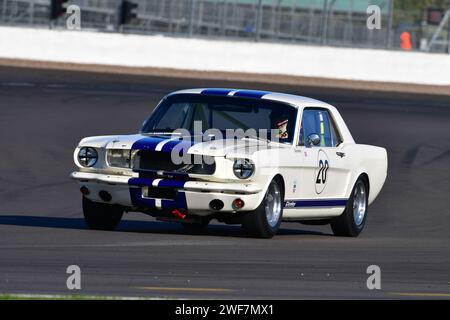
{"points": [[423, 294], [104, 92], [71, 297], [158, 243], [54, 87], [17, 84]]}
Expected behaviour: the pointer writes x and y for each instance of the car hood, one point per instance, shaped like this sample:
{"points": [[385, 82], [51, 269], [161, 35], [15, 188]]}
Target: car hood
{"points": [[193, 145]]}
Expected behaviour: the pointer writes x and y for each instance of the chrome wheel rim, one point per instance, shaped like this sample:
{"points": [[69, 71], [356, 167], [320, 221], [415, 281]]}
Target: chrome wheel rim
{"points": [[273, 204], [359, 203]]}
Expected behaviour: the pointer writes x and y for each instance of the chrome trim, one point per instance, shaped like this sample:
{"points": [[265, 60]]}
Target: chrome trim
{"points": [[359, 203], [272, 202]]}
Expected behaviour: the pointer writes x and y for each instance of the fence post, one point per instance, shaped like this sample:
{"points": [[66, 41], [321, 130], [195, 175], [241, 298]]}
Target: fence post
{"points": [[258, 21], [4, 11], [278, 19], [191, 18], [350, 23], [324, 22], [293, 6], [448, 36], [222, 17], [390, 24], [312, 15], [117, 26], [31, 12]]}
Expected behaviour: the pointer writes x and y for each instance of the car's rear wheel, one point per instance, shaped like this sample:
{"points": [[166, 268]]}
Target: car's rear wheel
{"points": [[101, 216], [265, 220], [353, 220]]}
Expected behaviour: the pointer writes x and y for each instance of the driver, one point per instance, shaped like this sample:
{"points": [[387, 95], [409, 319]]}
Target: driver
{"points": [[279, 122]]}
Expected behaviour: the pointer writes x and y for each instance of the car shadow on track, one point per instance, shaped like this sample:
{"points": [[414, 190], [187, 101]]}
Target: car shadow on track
{"points": [[137, 226]]}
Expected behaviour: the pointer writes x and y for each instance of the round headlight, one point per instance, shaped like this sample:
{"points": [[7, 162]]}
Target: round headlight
{"points": [[243, 168], [87, 156]]}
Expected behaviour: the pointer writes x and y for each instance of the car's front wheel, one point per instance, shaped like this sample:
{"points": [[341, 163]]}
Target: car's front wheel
{"points": [[101, 216], [352, 221], [265, 221]]}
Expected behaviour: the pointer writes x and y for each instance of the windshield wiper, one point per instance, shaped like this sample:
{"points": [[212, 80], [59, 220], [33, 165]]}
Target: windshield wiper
{"points": [[163, 131]]}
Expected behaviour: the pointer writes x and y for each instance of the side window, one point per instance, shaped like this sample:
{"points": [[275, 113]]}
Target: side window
{"points": [[319, 121]]}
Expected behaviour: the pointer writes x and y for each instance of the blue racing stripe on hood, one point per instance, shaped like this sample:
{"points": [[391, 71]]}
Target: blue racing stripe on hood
{"points": [[147, 143], [182, 144]]}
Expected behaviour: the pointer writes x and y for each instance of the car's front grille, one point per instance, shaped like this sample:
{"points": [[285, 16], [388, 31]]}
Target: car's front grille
{"points": [[160, 193], [154, 160], [162, 161]]}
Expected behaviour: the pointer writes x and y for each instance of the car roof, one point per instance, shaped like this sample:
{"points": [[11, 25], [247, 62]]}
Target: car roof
{"points": [[296, 101], [293, 100]]}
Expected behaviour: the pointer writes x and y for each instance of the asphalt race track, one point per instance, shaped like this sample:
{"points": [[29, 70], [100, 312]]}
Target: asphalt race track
{"points": [[43, 115]]}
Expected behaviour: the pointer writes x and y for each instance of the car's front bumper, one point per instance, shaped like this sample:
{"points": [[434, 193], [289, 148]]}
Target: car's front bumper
{"points": [[194, 196]]}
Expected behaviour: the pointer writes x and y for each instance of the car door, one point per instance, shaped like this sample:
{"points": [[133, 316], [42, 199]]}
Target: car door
{"points": [[323, 171]]}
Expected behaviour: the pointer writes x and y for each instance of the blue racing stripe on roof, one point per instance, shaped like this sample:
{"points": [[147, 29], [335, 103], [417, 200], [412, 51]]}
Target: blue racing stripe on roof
{"points": [[250, 94], [216, 92]]}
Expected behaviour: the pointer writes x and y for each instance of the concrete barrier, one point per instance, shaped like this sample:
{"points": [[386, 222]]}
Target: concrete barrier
{"points": [[224, 56]]}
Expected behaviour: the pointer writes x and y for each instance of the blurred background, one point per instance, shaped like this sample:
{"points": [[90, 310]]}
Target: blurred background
{"points": [[419, 25]]}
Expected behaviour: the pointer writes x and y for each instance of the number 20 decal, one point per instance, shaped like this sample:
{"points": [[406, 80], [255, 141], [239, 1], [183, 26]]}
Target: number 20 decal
{"points": [[322, 173]]}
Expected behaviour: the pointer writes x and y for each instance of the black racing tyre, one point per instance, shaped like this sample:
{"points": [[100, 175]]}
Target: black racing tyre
{"points": [[101, 216], [353, 220], [264, 221]]}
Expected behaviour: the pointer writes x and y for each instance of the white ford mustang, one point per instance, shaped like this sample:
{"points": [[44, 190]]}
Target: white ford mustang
{"points": [[239, 156]]}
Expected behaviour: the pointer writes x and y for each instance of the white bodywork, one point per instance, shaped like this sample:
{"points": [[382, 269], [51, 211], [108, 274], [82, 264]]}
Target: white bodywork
{"points": [[296, 165]]}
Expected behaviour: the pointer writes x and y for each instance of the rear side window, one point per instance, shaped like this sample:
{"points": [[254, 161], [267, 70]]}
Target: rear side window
{"points": [[319, 121]]}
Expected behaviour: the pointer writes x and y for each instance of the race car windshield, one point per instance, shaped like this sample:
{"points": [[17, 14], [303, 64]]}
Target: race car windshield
{"points": [[269, 119]]}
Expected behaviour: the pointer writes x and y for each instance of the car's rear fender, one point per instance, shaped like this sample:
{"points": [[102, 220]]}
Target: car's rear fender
{"points": [[370, 161]]}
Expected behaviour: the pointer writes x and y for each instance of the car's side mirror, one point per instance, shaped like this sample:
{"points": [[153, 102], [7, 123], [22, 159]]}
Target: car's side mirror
{"points": [[313, 140]]}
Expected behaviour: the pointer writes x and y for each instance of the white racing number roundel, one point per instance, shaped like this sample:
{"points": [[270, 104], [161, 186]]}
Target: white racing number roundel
{"points": [[321, 175]]}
